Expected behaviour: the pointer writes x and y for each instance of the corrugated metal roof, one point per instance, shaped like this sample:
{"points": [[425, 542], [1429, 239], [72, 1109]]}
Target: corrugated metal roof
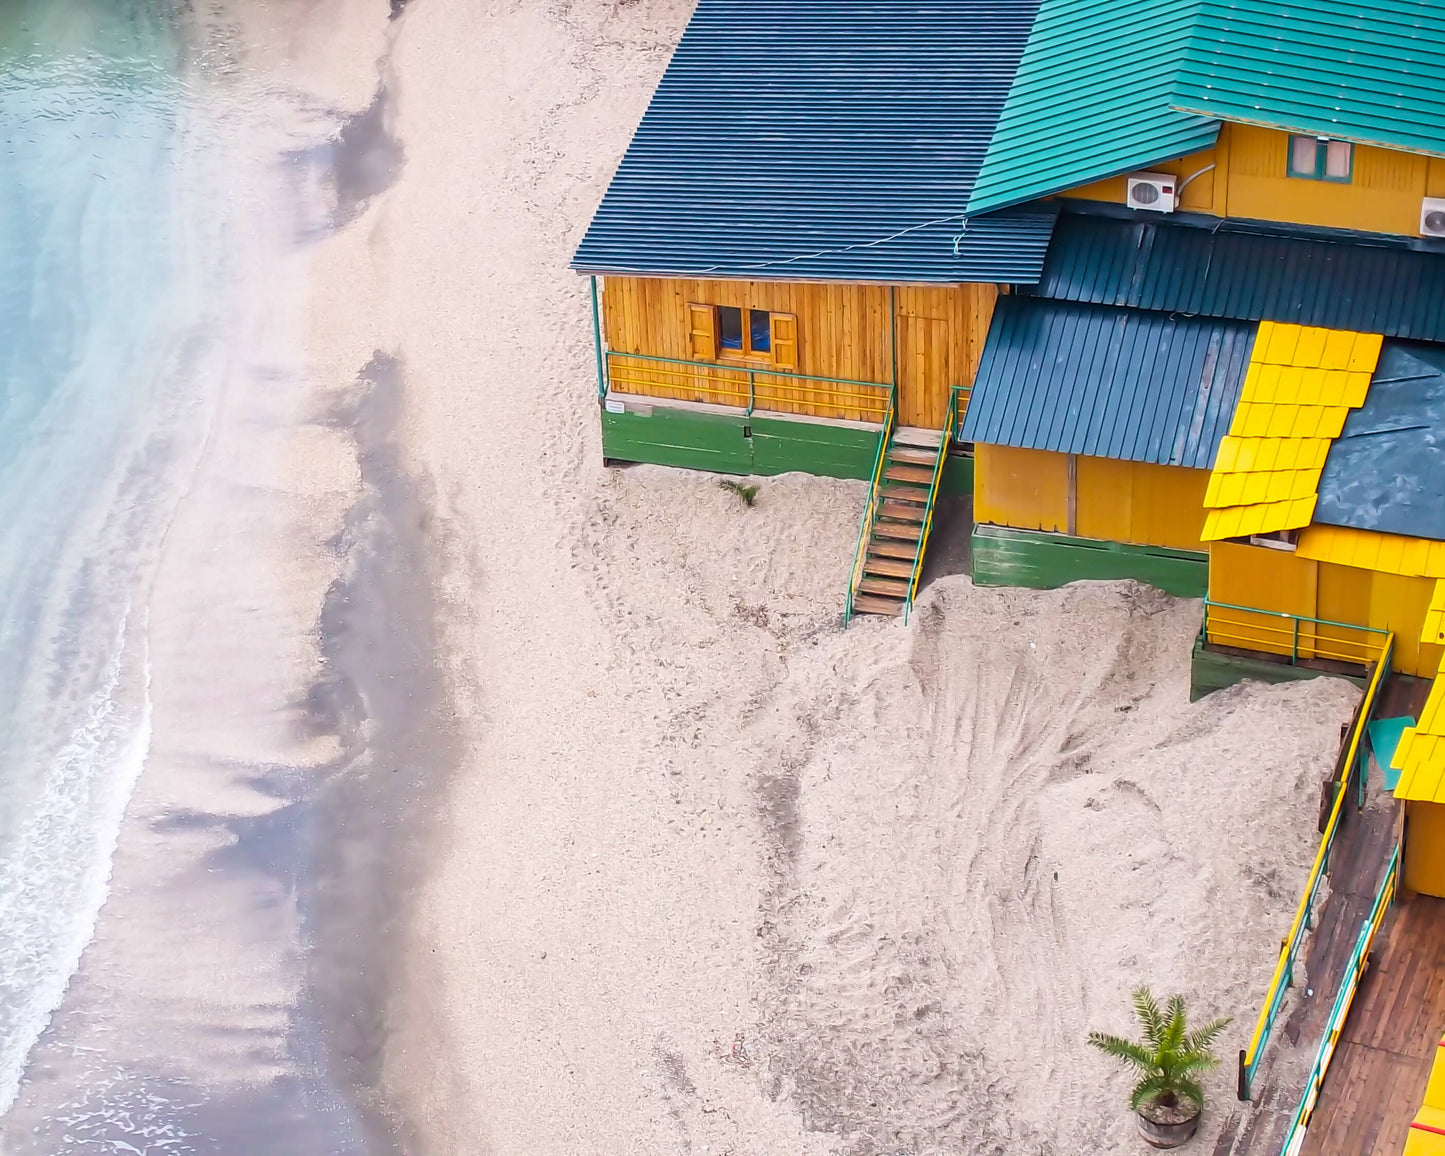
{"points": [[1091, 100], [1386, 471], [1372, 72], [1237, 269], [1111, 383], [811, 139]]}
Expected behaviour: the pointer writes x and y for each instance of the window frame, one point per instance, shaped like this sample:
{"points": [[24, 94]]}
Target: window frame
{"points": [[745, 326], [1320, 173]]}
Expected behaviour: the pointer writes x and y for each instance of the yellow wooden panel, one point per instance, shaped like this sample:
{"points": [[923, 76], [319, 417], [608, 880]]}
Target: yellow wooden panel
{"points": [[1026, 489], [1433, 630], [1168, 506], [1373, 550], [1425, 848], [1198, 195], [1401, 603], [1104, 493]]}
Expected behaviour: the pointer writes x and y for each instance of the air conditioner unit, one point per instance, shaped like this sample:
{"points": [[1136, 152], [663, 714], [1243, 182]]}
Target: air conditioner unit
{"points": [[1153, 192], [1432, 217]]}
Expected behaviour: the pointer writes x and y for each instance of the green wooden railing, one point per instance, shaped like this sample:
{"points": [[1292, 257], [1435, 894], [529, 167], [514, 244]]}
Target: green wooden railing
{"points": [[1349, 985], [746, 387], [950, 424], [1249, 1057], [870, 506], [1294, 635]]}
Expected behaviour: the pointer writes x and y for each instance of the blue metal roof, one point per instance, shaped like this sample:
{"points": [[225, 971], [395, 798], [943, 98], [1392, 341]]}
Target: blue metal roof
{"points": [[812, 139], [1244, 270], [1106, 382], [1386, 470]]}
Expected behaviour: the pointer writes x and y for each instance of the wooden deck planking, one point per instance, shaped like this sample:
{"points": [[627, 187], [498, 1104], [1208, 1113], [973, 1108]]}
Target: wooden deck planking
{"points": [[1377, 1080], [1386, 1029]]}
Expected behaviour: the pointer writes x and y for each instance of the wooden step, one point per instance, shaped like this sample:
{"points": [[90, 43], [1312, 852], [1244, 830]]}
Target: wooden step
{"points": [[894, 548], [887, 567], [900, 453], [887, 587], [905, 531], [903, 511], [916, 474], [906, 494], [912, 435], [868, 604]]}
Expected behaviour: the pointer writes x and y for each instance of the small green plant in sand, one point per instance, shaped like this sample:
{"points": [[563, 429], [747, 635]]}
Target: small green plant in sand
{"points": [[1170, 1058], [749, 494]]}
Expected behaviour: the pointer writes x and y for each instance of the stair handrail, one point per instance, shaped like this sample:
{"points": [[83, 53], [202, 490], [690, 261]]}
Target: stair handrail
{"points": [[1335, 1025], [1283, 977], [870, 507], [951, 419]]}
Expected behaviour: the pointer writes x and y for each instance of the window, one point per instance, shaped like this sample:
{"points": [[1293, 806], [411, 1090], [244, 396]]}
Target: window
{"points": [[728, 331], [1321, 159]]}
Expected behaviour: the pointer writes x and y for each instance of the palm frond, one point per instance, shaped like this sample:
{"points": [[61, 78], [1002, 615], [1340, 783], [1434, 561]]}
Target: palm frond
{"points": [[1199, 1040], [1147, 1009], [1126, 1050], [1189, 1090], [1147, 1089], [1175, 1025]]}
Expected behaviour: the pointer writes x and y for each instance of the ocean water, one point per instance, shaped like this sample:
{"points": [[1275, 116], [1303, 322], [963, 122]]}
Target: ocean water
{"points": [[112, 291]]}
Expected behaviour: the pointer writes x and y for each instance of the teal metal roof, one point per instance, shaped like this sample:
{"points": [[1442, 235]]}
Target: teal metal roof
{"points": [[1368, 72], [1091, 100], [1109, 383]]}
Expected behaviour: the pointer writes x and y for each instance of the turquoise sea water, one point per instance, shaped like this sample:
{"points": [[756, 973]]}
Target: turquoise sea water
{"points": [[109, 290]]}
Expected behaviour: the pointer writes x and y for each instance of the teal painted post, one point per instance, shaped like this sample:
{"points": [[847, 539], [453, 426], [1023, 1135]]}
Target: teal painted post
{"points": [[1294, 649], [893, 337], [752, 391], [597, 342]]}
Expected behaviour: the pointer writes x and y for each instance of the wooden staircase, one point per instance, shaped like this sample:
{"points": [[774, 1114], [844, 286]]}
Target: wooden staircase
{"points": [[900, 508]]}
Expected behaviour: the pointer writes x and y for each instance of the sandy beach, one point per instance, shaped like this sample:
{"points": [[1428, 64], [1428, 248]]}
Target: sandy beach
{"points": [[713, 875], [566, 819]]}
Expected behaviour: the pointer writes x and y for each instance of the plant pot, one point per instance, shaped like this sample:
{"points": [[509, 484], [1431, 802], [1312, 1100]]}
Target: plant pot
{"points": [[1165, 1127]]}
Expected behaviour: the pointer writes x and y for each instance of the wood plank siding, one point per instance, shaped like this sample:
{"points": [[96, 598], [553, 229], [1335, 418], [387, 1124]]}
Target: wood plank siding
{"points": [[1249, 178], [843, 332]]}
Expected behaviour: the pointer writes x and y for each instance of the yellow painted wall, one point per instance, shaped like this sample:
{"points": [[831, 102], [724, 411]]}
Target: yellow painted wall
{"points": [[1425, 848], [1139, 503], [1114, 501], [1250, 179], [1026, 489], [1278, 580], [844, 332]]}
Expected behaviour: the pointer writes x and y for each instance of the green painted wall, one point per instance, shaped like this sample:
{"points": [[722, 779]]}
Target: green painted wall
{"points": [[1210, 670], [1008, 557], [730, 444], [957, 477]]}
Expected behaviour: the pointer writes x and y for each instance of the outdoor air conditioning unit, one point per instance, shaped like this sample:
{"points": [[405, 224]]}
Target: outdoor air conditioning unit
{"points": [[1153, 192], [1432, 217]]}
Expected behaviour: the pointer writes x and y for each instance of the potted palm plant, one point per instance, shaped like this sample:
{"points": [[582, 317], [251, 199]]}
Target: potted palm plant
{"points": [[1168, 1062]]}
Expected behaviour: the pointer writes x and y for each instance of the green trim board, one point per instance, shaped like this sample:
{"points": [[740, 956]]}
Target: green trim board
{"points": [[1211, 670], [1004, 556], [1091, 100], [735, 444]]}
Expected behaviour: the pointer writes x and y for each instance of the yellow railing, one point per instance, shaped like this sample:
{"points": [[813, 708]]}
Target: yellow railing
{"points": [[1283, 977], [746, 387], [1292, 635]]}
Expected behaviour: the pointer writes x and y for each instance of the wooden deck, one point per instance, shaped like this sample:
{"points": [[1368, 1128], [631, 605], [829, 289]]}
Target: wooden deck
{"points": [[1358, 860]]}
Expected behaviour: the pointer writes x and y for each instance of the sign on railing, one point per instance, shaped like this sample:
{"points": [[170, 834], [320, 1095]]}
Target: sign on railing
{"points": [[1283, 977]]}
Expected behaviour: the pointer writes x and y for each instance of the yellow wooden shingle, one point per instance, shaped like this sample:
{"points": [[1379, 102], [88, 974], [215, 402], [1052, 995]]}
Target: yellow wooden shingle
{"points": [[1373, 550], [1420, 755], [1300, 386]]}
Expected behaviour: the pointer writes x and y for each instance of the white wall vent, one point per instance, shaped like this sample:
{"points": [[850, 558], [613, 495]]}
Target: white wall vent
{"points": [[1153, 192], [1432, 217]]}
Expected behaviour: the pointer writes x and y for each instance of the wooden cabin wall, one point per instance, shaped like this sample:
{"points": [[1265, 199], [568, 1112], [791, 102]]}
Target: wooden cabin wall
{"points": [[1425, 848], [1025, 489], [1113, 501], [1278, 580], [1250, 179], [844, 332], [1139, 503]]}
